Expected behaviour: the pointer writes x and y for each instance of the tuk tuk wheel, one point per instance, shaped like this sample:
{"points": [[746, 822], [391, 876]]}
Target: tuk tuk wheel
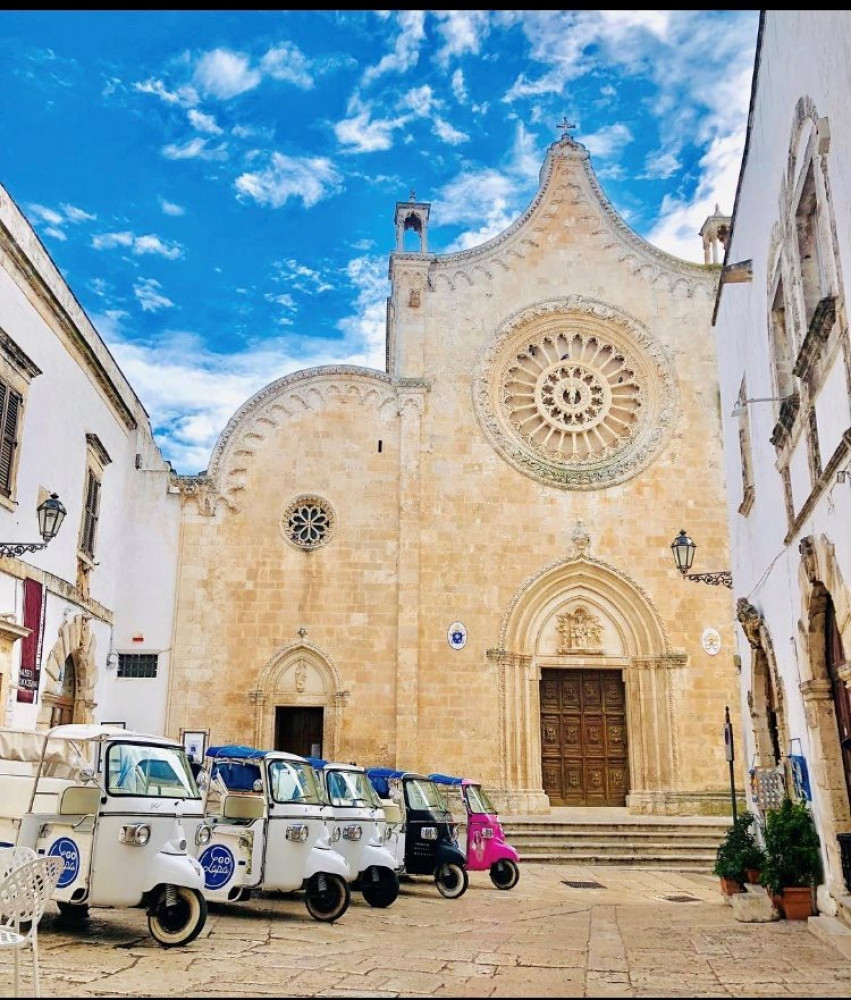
{"points": [[327, 896], [177, 915], [504, 874], [380, 887], [452, 880], [73, 912]]}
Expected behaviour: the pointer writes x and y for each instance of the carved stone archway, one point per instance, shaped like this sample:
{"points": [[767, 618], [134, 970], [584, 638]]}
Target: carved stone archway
{"points": [[299, 675], [766, 700], [821, 584], [77, 641], [634, 644]]}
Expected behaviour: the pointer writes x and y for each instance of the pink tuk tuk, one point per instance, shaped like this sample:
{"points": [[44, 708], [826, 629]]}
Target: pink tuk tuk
{"points": [[486, 847]]}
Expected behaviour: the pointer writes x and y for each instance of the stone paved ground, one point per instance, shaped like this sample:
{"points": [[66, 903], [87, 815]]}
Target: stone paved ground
{"points": [[541, 939]]}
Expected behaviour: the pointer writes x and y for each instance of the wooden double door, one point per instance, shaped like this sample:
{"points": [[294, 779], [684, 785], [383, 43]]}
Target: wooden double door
{"points": [[583, 737], [299, 730]]}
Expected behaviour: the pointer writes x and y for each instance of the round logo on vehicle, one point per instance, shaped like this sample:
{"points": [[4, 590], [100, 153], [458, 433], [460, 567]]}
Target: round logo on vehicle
{"points": [[218, 864], [66, 849]]}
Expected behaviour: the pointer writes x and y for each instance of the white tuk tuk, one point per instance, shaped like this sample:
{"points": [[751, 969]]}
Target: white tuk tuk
{"points": [[267, 826], [111, 803], [359, 816]]}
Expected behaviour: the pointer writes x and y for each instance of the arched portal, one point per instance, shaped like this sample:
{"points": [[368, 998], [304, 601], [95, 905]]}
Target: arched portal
{"points": [[299, 703], [586, 691], [68, 694]]}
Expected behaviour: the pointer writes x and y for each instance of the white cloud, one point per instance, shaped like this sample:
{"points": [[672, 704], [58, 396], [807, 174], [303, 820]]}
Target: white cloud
{"points": [[74, 214], [149, 296], [171, 207], [225, 74], [193, 149], [459, 88], [359, 133], [139, 245], [184, 96], [485, 198], [300, 277], [448, 133], [203, 123], [463, 32], [406, 51], [285, 177], [610, 140], [57, 234], [287, 62], [53, 220]]}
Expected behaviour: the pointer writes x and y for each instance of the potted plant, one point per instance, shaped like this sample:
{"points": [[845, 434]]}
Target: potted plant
{"points": [[738, 854], [793, 864]]}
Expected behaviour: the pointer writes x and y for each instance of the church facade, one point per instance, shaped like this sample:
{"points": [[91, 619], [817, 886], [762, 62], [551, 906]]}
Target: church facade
{"points": [[462, 563]]}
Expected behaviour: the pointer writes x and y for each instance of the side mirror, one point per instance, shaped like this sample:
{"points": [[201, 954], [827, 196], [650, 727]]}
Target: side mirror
{"points": [[87, 774], [202, 781], [257, 786]]}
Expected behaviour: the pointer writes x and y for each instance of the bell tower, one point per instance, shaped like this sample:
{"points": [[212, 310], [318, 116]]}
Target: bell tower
{"points": [[413, 215]]}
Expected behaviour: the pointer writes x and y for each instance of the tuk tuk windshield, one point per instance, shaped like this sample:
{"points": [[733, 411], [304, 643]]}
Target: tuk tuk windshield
{"points": [[147, 769], [478, 800], [293, 781], [423, 794], [351, 788]]}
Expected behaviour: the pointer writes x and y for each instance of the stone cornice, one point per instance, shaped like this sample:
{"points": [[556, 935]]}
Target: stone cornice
{"points": [[16, 357], [87, 342], [520, 235], [56, 585]]}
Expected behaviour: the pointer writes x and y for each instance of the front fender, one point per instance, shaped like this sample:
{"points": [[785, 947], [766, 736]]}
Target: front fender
{"points": [[174, 869], [448, 854], [324, 859], [378, 857], [500, 851]]}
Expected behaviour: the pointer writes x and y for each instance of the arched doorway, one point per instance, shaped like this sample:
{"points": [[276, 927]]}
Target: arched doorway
{"points": [[834, 661], [61, 700]]}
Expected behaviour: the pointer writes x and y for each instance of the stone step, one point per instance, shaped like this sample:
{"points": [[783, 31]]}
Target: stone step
{"points": [[619, 847], [674, 863]]}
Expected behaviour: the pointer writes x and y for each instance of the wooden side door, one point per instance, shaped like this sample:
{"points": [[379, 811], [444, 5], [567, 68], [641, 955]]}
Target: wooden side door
{"points": [[583, 737], [299, 730], [841, 695]]}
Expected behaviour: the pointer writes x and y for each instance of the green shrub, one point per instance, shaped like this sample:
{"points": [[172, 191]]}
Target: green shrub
{"points": [[739, 850], [792, 847]]}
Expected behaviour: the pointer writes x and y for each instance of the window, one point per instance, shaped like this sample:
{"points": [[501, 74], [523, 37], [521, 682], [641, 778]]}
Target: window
{"points": [[10, 410], [782, 348], [137, 664], [16, 373], [745, 454], [90, 514]]}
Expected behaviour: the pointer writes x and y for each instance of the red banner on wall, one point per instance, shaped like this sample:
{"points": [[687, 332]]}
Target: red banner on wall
{"points": [[34, 609]]}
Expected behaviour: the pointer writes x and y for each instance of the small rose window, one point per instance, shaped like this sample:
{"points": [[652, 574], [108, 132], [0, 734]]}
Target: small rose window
{"points": [[308, 522]]}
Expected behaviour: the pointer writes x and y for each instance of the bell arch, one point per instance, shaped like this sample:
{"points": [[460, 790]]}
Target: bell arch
{"points": [[299, 676], [629, 638], [73, 652], [825, 630]]}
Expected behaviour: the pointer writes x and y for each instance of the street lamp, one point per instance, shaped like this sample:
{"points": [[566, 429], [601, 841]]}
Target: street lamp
{"points": [[51, 514], [683, 548]]}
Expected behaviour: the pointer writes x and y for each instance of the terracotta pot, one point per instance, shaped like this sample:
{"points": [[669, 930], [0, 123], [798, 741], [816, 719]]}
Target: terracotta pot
{"points": [[729, 886], [752, 875], [798, 902]]}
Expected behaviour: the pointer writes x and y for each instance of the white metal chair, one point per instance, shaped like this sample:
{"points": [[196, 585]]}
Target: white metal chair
{"points": [[13, 857], [24, 893]]}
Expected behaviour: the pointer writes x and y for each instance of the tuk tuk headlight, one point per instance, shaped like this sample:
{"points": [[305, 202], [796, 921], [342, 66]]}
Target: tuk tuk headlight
{"points": [[335, 835], [137, 834], [487, 833], [352, 832], [429, 833], [298, 832], [203, 835]]}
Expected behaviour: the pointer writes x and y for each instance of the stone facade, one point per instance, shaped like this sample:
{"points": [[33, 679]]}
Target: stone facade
{"points": [[547, 421]]}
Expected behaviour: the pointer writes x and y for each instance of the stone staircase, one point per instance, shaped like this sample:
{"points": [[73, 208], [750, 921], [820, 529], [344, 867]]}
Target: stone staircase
{"points": [[615, 837]]}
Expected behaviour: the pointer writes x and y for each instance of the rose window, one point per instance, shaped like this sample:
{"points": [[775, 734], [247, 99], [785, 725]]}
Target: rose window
{"points": [[308, 522], [572, 397]]}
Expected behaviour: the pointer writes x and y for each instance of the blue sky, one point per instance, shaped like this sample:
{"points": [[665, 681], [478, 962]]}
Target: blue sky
{"points": [[218, 187]]}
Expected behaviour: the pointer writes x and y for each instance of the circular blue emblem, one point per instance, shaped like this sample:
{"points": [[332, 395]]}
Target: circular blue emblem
{"points": [[218, 864], [66, 849], [457, 635]]}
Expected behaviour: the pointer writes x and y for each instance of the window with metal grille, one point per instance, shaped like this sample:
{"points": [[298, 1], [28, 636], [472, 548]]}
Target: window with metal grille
{"points": [[137, 664], [10, 411], [90, 515]]}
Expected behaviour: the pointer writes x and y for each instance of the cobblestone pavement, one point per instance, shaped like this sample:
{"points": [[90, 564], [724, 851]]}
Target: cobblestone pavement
{"points": [[541, 939]]}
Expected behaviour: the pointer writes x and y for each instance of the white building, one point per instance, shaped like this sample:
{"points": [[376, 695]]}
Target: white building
{"points": [[85, 622], [785, 379]]}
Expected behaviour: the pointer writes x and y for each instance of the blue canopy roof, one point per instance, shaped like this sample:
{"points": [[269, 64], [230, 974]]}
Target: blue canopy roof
{"points": [[445, 779], [237, 752], [379, 777], [317, 762]]}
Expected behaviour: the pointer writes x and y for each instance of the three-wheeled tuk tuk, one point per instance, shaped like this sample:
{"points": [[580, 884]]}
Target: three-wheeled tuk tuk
{"points": [[426, 836], [359, 817], [113, 804], [267, 826], [485, 845]]}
